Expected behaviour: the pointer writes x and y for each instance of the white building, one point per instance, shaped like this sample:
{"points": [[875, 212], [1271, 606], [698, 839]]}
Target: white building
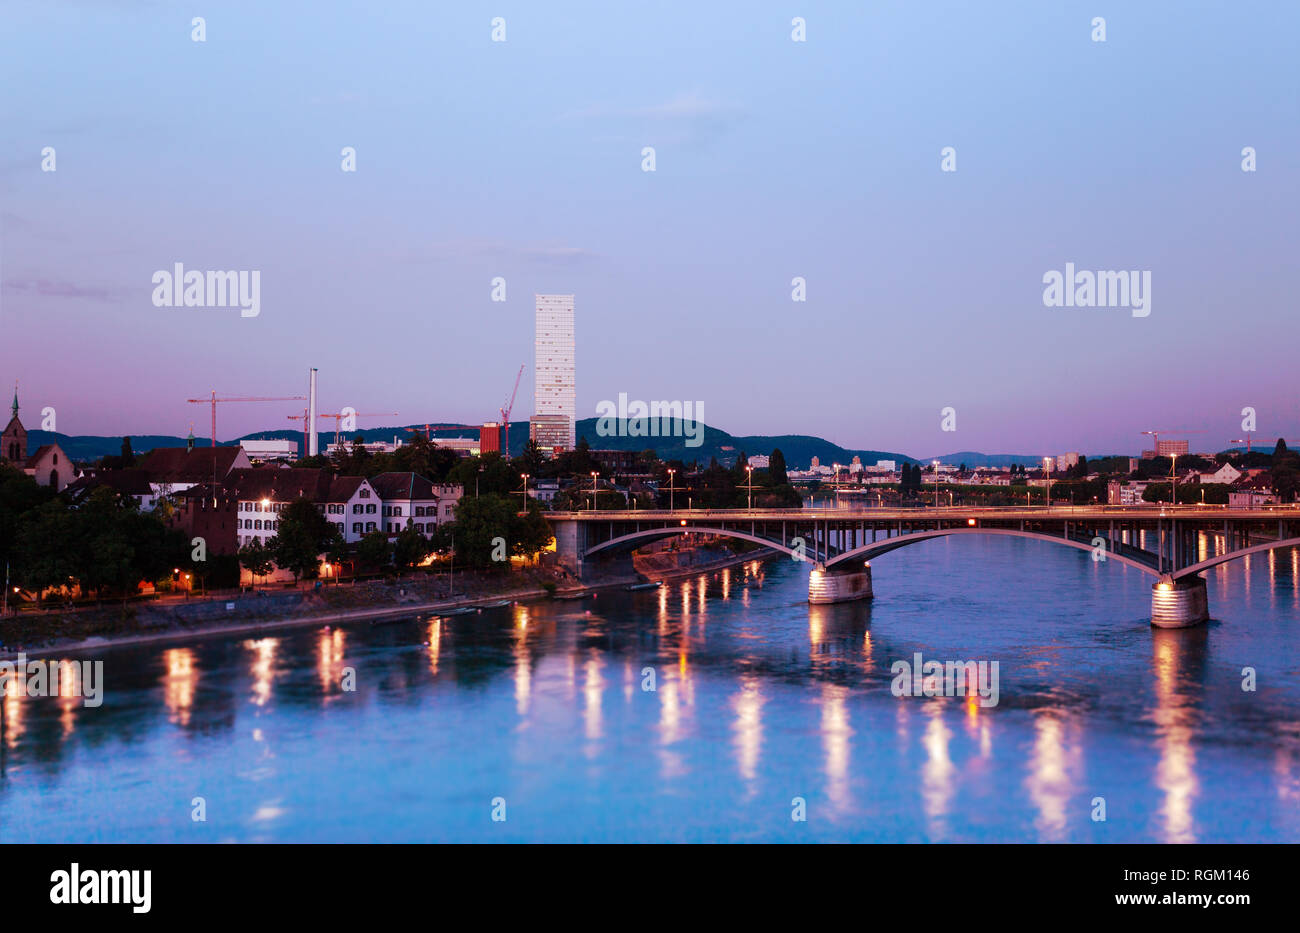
{"points": [[262, 451], [759, 462], [1224, 474], [554, 390], [887, 466]]}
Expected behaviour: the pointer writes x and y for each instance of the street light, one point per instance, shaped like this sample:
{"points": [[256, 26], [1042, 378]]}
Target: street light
{"points": [[749, 483], [935, 464], [1173, 478], [671, 475], [594, 474], [1047, 482]]}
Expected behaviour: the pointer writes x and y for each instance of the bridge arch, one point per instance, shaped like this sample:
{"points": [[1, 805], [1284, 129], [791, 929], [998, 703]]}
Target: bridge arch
{"points": [[1233, 555], [878, 548], [654, 534]]}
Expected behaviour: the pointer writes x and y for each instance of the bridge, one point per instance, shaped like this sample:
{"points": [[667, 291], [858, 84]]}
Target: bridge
{"points": [[1173, 544]]}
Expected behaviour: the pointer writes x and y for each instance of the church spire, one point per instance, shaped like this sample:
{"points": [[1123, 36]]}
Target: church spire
{"points": [[15, 398]]}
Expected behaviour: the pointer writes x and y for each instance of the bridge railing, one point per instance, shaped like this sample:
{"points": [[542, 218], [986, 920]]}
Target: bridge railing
{"points": [[930, 513]]}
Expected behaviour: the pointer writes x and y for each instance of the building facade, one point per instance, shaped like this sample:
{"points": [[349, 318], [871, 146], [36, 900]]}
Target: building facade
{"points": [[554, 389]]}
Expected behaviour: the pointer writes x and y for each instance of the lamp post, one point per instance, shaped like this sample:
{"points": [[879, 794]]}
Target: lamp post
{"points": [[594, 475], [935, 464], [671, 477], [1173, 478], [749, 484], [1047, 482]]}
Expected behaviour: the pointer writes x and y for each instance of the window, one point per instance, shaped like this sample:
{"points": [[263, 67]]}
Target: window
{"points": [[357, 509], [419, 526], [370, 509], [370, 526], [258, 524], [365, 494], [356, 528], [397, 510]]}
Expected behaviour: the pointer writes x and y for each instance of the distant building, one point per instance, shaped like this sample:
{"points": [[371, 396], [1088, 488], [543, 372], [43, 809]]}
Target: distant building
{"points": [[1224, 474], [132, 483], [267, 450], [463, 446], [761, 462], [616, 461], [555, 395], [552, 433], [490, 437], [889, 466], [812, 467], [1166, 449], [1068, 460]]}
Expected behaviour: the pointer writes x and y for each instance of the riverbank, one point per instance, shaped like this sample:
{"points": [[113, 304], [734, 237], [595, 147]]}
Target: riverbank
{"points": [[269, 611]]}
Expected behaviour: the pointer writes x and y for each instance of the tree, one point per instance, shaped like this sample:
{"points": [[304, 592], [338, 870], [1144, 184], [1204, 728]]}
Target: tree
{"points": [[257, 559], [410, 547], [128, 455], [302, 535], [479, 523], [374, 550], [776, 468], [1286, 472], [533, 460]]}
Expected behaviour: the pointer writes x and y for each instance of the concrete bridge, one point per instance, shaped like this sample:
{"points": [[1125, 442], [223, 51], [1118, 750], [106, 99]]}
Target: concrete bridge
{"points": [[1163, 542]]}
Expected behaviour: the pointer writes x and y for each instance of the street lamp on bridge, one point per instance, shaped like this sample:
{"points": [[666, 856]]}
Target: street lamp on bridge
{"points": [[671, 475]]}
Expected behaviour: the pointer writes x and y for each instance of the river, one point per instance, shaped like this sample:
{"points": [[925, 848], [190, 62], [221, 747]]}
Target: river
{"points": [[544, 715]]}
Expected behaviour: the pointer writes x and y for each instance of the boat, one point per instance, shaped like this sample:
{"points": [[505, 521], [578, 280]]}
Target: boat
{"points": [[571, 596], [457, 612], [650, 585], [498, 604]]}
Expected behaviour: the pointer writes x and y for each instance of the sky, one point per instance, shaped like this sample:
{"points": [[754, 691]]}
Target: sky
{"points": [[774, 159]]}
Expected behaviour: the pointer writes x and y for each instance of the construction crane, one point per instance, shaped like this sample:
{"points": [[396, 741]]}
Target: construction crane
{"points": [[213, 400], [505, 415], [1155, 437], [1242, 440]]}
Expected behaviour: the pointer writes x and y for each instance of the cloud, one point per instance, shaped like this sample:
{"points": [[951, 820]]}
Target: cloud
{"points": [[50, 288], [689, 117], [466, 249]]}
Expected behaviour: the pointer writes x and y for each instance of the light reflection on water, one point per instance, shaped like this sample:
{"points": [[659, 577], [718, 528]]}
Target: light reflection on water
{"points": [[700, 711]]}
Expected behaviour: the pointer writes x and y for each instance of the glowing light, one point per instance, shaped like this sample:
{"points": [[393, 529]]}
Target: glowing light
{"points": [[970, 521]]}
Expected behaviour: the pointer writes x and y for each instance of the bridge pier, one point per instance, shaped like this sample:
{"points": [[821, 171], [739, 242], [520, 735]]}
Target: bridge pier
{"points": [[1179, 603], [838, 586]]}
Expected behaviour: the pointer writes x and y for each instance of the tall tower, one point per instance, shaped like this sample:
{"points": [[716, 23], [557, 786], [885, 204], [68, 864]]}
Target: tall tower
{"points": [[553, 368], [13, 442], [312, 444]]}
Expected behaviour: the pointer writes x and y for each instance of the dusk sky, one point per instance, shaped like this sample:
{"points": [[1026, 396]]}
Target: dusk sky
{"points": [[774, 159]]}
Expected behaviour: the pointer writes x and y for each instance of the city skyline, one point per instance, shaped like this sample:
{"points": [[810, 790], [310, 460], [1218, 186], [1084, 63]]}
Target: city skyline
{"points": [[924, 288]]}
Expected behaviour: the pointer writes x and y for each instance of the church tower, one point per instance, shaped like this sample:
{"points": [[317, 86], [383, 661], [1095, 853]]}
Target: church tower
{"points": [[13, 443]]}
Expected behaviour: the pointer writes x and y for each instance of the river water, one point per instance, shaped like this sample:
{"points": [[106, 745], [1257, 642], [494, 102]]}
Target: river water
{"points": [[762, 709]]}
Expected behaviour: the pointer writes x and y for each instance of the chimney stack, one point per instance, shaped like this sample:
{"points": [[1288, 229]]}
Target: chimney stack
{"points": [[312, 445]]}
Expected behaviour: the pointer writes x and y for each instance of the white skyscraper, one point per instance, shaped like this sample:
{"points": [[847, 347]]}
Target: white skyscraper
{"points": [[553, 369]]}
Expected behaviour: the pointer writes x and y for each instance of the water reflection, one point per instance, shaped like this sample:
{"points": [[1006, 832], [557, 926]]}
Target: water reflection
{"points": [[1178, 662], [1053, 774]]}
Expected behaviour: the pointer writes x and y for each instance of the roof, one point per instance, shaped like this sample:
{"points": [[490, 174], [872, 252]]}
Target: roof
{"points": [[41, 452], [402, 486], [15, 426], [280, 485], [186, 465], [127, 482]]}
